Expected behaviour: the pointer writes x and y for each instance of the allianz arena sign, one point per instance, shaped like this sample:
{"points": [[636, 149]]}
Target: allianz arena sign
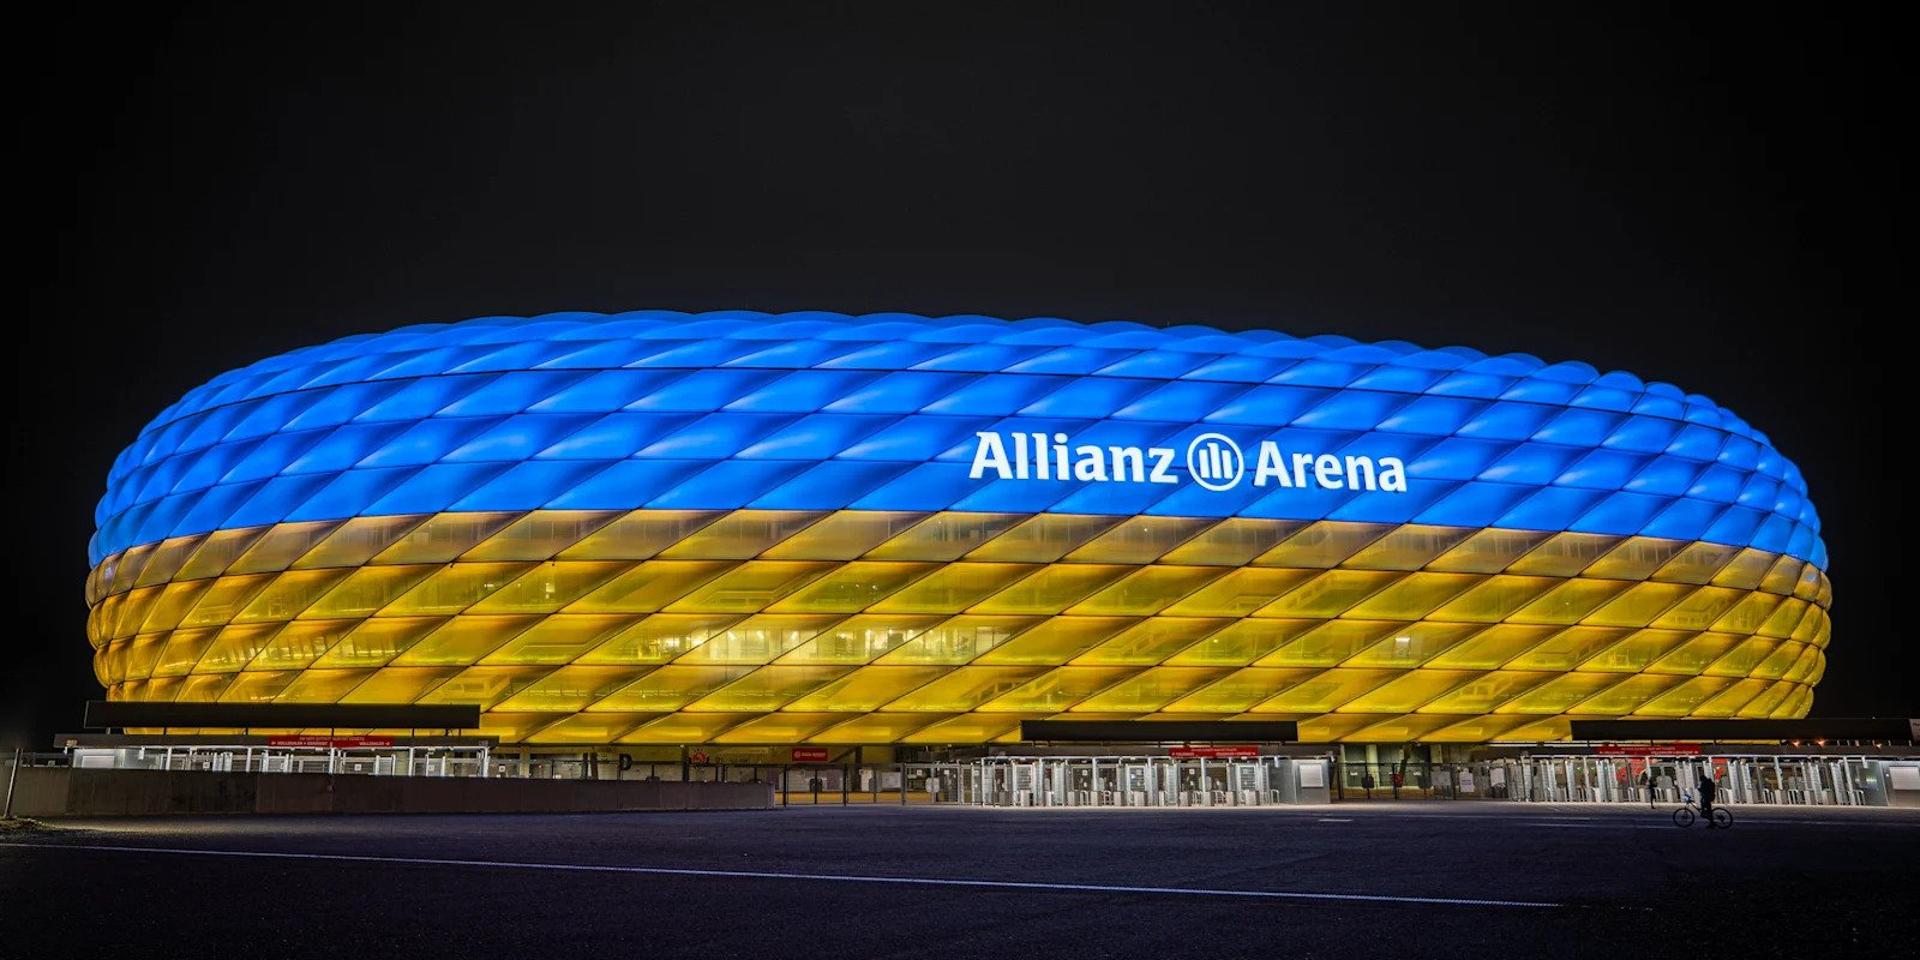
{"points": [[1214, 460]]}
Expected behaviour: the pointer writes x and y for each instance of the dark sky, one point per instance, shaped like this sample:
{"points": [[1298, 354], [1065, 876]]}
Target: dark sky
{"points": [[1695, 196]]}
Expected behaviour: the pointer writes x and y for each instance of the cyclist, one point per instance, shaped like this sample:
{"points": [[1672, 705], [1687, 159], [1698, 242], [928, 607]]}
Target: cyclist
{"points": [[1707, 790]]}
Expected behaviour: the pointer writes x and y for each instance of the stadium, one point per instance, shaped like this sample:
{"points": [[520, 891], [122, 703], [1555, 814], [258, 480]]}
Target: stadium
{"points": [[737, 528]]}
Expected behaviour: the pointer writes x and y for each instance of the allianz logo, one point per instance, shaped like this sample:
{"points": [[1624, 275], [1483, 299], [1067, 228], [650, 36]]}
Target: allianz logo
{"points": [[1214, 461]]}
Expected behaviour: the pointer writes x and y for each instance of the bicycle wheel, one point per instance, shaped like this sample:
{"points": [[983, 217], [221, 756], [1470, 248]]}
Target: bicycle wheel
{"points": [[1683, 817], [1721, 818]]}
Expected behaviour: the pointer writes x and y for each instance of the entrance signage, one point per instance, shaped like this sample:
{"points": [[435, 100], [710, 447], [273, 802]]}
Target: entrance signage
{"points": [[1209, 753], [809, 754], [1214, 460], [337, 743], [1647, 749]]}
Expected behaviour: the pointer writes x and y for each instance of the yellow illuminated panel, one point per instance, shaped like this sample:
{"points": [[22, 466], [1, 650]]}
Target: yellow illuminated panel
{"points": [[1052, 589], [439, 539], [1239, 593], [356, 541], [300, 643], [166, 560], [1328, 644], [1152, 641], [1488, 551], [960, 639], [365, 591], [1322, 544], [463, 640], [853, 587], [638, 535], [649, 586], [863, 638], [558, 639], [454, 588], [966, 688], [1329, 594], [672, 687], [574, 628], [768, 688], [548, 586], [368, 643], [740, 535], [1043, 538], [876, 728], [843, 536], [954, 588], [945, 536], [539, 535], [1151, 689], [1147, 590], [1492, 646], [1139, 540], [1408, 547], [1412, 644], [1242, 642], [321, 686], [1563, 555], [865, 689], [1056, 689], [1056, 641], [779, 728], [660, 638], [402, 685], [759, 639], [1232, 542]]}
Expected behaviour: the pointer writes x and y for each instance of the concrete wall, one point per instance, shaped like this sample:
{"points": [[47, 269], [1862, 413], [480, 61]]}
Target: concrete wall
{"points": [[60, 791]]}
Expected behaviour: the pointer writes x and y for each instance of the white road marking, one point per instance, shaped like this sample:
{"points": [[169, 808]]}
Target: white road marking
{"points": [[770, 875], [1336, 819]]}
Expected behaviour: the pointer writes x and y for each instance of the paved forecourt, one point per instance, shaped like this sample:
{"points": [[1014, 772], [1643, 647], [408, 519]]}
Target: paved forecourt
{"points": [[1457, 879]]}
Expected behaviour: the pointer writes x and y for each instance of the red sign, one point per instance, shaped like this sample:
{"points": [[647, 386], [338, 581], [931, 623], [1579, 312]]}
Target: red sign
{"points": [[1209, 753], [338, 743], [809, 754], [1647, 749]]}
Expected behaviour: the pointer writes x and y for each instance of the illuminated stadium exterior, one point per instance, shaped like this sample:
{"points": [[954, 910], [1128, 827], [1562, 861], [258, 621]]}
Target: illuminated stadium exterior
{"points": [[740, 528]]}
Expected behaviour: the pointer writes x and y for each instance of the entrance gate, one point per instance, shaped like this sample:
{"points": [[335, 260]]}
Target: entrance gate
{"points": [[1131, 781], [1806, 780]]}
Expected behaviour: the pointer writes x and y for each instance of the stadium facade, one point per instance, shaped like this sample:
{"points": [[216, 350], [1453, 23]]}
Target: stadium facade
{"points": [[659, 528]]}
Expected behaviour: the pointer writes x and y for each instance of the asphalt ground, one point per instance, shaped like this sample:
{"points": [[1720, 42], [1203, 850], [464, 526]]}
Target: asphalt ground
{"points": [[1431, 879]]}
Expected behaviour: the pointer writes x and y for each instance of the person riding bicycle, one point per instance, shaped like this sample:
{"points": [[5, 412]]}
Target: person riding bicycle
{"points": [[1707, 790]]}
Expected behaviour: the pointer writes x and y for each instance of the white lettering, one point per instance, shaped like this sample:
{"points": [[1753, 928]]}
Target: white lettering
{"points": [[1270, 466], [1393, 475], [1326, 471], [1360, 473], [1090, 463], [1213, 461], [990, 453], [1162, 465]]}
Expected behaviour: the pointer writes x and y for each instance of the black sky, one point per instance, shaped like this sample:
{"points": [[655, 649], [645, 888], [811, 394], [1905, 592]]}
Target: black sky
{"points": [[1703, 196]]}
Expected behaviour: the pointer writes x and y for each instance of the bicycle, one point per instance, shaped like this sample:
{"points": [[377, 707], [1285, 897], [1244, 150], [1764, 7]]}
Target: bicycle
{"points": [[1688, 813]]}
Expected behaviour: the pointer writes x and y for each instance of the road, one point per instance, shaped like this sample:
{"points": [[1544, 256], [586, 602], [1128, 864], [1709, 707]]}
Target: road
{"points": [[1347, 881]]}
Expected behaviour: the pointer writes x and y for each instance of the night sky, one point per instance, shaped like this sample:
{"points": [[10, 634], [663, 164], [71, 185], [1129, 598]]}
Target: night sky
{"points": [[1691, 196]]}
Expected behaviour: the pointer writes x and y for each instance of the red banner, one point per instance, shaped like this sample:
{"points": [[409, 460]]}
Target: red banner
{"points": [[1647, 749], [1209, 753], [809, 754], [338, 743]]}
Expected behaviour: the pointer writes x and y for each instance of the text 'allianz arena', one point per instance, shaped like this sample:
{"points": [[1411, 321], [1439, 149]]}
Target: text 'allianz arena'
{"points": [[742, 528]]}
